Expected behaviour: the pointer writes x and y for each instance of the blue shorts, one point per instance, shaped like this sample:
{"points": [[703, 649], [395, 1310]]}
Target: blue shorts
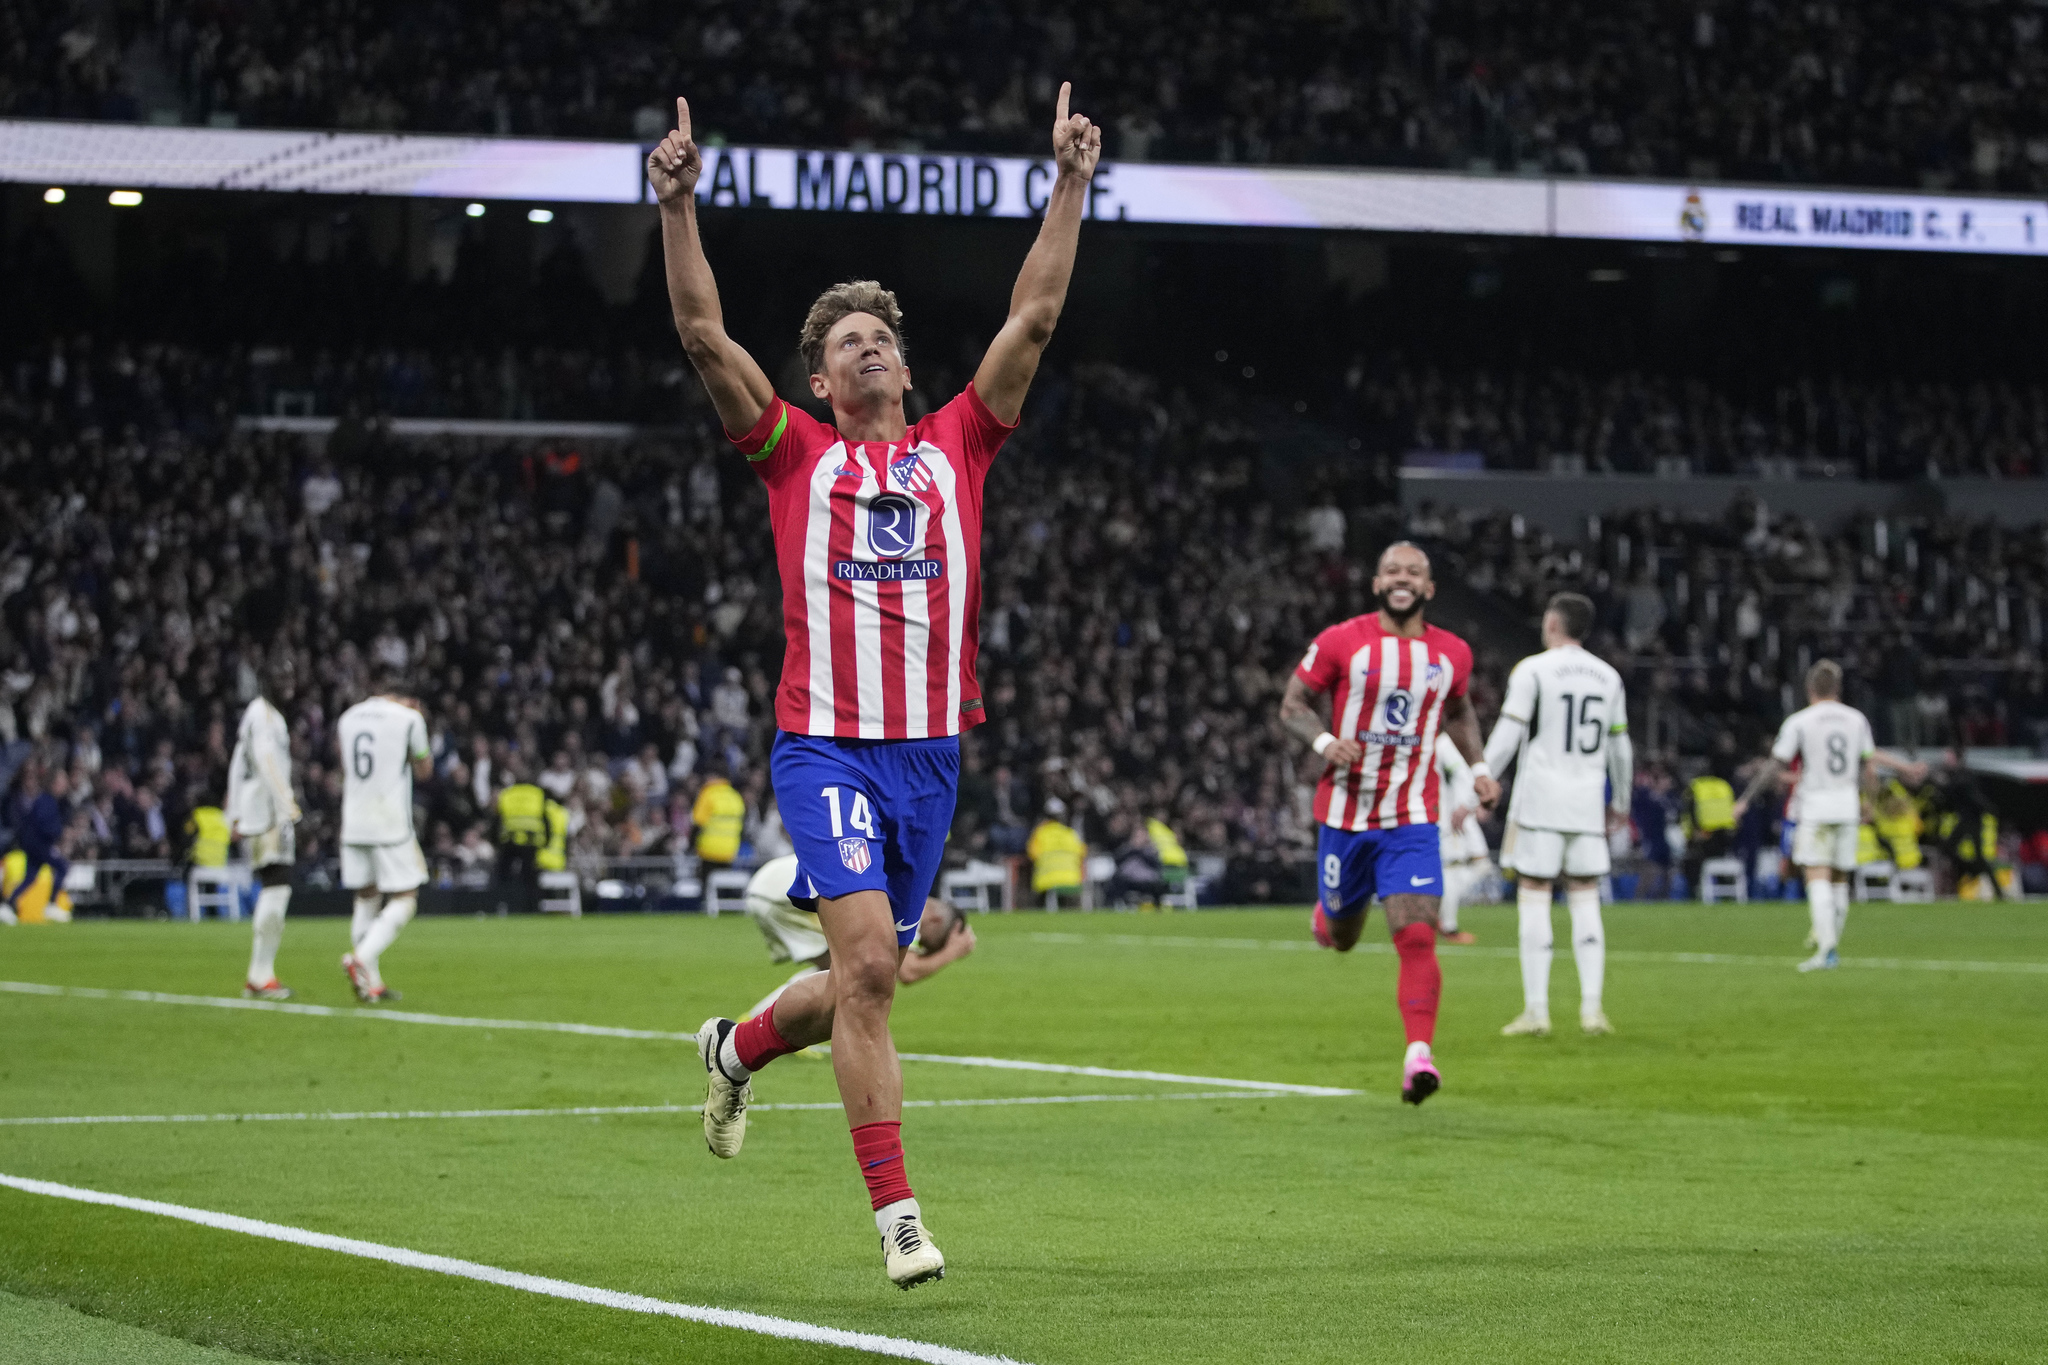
{"points": [[867, 815], [1353, 866]]}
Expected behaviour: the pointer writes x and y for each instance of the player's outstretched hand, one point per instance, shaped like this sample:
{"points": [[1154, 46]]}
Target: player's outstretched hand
{"points": [[674, 164], [1488, 792], [1076, 142]]}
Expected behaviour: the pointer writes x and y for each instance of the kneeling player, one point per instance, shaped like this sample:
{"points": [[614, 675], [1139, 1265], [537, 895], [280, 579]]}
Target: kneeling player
{"points": [[1467, 859], [793, 934], [1394, 682], [1565, 719]]}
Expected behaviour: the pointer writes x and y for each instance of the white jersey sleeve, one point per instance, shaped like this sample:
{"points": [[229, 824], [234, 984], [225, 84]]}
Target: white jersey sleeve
{"points": [[1574, 706], [380, 740]]}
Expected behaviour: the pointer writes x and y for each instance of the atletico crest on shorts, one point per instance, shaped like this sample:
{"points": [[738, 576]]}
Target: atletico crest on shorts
{"points": [[854, 853]]}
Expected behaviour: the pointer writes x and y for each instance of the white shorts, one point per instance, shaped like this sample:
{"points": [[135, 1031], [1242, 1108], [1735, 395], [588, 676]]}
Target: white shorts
{"points": [[792, 934], [277, 846], [390, 868], [1829, 845], [1464, 845], [1543, 853]]}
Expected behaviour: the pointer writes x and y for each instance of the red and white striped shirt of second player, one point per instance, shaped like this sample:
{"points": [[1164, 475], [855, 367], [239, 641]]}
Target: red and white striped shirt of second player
{"points": [[879, 547], [1388, 693]]}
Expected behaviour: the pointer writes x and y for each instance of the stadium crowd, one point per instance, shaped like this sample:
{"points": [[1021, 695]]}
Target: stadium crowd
{"points": [[1876, 94], [604, 620], [1632, 422]]}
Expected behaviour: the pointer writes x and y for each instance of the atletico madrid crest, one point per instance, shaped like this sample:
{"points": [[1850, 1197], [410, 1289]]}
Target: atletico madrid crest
{"points": [[854, 853], [911, 474]]}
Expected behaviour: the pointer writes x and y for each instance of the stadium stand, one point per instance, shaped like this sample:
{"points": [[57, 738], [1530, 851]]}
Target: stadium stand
{"points": [[605, 612], [1877, 94]]}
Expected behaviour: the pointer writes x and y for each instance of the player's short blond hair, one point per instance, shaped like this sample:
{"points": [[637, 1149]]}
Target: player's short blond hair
{"points": [[842, 301], [1824, 679]]}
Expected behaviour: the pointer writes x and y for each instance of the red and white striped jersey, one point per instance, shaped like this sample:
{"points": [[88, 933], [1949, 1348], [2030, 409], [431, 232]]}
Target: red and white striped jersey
{"points": [[1388, 693], [879, 546]]}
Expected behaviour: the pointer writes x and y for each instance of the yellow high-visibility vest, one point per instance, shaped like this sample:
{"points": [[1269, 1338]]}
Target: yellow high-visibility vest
{"points": [[1713, 804], [522, 815], [554, 856], [1056, 852], [1171, 854], [209, 830], [1898, 825], [721, 818]]}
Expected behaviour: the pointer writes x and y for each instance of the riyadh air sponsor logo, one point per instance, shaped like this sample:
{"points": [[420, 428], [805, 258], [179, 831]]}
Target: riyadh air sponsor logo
{"points": [[1395, 741], [1399, 705], [887, 570], [893, 525], [854, 853]]}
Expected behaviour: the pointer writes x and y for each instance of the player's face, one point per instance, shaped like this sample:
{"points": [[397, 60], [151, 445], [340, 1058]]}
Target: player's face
{"points": [[863, 363], [1403, 583]]}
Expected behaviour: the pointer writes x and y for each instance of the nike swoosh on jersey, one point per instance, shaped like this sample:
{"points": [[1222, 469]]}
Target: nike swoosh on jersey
{"points": [[1420, 881], [903, 927]]}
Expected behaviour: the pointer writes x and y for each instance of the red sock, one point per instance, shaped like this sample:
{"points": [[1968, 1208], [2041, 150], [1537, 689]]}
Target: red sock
{"points": [[1422, 981], [879, 1149], [757, 1042]]}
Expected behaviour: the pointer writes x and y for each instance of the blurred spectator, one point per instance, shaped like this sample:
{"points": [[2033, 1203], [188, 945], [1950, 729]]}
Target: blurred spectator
{"points": [[1057, 855], [720, 818]]}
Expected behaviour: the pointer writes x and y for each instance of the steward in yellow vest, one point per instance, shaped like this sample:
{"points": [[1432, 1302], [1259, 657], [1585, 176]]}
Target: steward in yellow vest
{"points": [[208, 827], [721, 819]]}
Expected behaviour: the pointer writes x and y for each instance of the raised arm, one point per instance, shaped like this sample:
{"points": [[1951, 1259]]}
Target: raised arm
{"points": [[738, 387], [1006, 371]]}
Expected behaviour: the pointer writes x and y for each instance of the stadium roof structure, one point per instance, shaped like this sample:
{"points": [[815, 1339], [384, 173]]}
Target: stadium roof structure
{"points": [[134, 156]]}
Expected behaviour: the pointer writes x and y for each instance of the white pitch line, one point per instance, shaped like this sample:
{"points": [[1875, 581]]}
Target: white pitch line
{"points": [[604, 1031], [1289, 945], [601, 1111], [761, 1324], [1108, 1073], [228, 1002]]}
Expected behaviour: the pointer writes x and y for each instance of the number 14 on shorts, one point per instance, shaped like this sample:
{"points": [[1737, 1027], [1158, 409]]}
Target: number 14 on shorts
{"points": [[861, 816]]}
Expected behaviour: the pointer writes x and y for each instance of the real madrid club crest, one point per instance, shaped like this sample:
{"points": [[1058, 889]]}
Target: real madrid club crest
{"points": [[1692, 219]]}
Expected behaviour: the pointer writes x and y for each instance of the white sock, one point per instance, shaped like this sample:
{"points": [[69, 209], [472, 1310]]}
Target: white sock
{"points": [[1841, 910], [268, 933], [889, 1213], [365, 914], [767, 1002], [1534, 908], [729, 1057], [1415, 1050], [1589, 946], [1447, 908], [1820, 900], [396, 914]]}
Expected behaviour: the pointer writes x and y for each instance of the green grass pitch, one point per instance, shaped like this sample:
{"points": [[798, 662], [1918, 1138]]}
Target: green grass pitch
{"points": [[1759, 1166]]}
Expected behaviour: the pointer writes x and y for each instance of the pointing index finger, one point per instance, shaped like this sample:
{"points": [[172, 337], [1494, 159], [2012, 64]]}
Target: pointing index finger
{"points": [[1065, 87], [683, 117]]}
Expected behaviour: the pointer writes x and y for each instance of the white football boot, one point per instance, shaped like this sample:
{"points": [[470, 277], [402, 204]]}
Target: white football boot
{"points": [[725, 1104], [1527, 1025], [1596, 1022], [909, 1254]]}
